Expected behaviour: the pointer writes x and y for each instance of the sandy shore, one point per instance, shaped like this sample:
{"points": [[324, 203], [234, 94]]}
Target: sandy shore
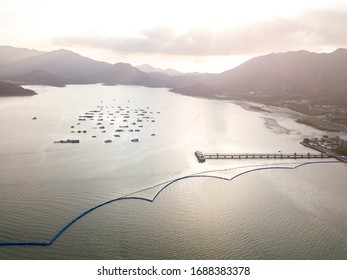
{"points": [[286, 112], [274, 126], [258, 107]]}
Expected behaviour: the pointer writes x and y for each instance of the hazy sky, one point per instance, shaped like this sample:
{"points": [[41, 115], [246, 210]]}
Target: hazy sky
{"points": [[188, 35]]}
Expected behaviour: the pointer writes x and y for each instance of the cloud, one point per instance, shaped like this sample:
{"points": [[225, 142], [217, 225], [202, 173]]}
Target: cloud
{"points": [[328, 25], [307, 31]]}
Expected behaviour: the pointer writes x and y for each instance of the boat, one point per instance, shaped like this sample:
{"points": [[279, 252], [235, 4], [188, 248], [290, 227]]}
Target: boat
{"points": [[135, 140], [67, 141], [108, 141]]}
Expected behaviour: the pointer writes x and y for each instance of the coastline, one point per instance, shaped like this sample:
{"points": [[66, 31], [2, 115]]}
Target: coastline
{"points": [[315, 122], [274, 126]]}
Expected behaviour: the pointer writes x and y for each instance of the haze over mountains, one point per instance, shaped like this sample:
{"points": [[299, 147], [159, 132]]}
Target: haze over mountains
{"points": [[61, 67], [10, 54], [290, 75], [150, 69]]}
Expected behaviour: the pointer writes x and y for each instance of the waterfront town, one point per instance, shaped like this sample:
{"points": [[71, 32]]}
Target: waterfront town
{"points": [[334, 146]]}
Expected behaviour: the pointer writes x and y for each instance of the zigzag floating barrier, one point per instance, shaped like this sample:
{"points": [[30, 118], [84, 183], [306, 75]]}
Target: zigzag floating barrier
{"points": [[167, 184]]}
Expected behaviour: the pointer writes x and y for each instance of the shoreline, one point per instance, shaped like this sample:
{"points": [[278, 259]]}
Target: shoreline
{"points": [[273, 125], [300, 117]]}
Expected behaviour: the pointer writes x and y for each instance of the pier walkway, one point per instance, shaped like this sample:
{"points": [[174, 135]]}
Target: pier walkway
{"points": [[201, 157]]}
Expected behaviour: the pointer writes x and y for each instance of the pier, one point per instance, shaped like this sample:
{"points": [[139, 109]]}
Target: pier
{"points": [[201, 157], [325, 151]]}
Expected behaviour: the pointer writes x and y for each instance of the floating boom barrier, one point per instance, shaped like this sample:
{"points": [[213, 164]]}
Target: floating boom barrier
{"points": [[166, 184]]}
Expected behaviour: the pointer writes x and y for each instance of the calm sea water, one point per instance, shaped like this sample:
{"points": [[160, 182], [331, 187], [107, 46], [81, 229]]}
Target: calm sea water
{"points": [[292, 213]]}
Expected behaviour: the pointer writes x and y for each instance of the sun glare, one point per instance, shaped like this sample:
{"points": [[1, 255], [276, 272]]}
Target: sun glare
{"points": [[113, 17], [95, 26]]}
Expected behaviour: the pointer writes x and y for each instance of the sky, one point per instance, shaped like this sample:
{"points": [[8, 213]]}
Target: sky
{"points": [[186, 35]]}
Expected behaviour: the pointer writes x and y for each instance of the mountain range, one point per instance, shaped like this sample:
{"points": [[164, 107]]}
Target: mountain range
{"points": [[296, 75], [290, 75]]}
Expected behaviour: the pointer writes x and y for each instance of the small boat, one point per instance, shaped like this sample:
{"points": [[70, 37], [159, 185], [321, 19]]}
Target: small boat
{"points": [[108, 141], [67, 141], [135, 140]]}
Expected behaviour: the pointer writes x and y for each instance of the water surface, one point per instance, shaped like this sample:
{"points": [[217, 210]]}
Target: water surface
{"points": [[295, 213]]}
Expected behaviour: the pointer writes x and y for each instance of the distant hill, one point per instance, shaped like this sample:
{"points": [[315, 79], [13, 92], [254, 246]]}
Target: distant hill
{"points": [[125, 74], [63, 63], [7, 89], [10, 54], [39, 77], [290, 75], [150, 69], [199, 89]]}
